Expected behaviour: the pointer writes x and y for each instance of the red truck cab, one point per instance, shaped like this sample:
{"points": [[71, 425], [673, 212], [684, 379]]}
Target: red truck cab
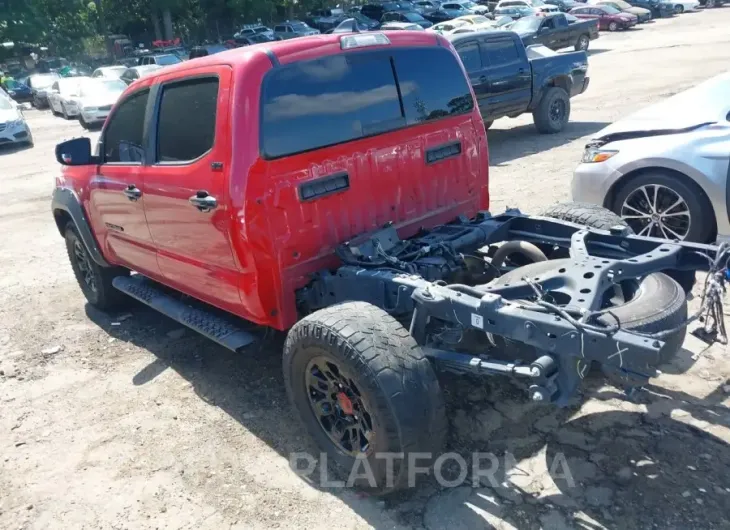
{"points": [[231, 178]]}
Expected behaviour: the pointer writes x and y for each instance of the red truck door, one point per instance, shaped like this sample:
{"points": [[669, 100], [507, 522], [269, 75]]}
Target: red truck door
{"points": [[186, 186], [116, 203]]}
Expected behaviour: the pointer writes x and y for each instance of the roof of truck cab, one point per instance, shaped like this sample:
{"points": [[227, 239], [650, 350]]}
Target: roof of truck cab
{"points": [[455, 38], [302, 48]]}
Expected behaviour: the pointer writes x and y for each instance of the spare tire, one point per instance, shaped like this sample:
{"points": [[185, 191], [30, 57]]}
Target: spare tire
{"points": [[657, 304], [594, 216]]}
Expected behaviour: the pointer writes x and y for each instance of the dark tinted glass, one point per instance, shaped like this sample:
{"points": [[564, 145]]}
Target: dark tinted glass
{"points": [[502, 52], [123, 134], [470, 56], [426, 97], [313, 104], [186, 128]]}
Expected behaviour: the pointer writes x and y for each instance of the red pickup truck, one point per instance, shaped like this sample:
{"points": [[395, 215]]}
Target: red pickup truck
{"points": [[332, 186]]}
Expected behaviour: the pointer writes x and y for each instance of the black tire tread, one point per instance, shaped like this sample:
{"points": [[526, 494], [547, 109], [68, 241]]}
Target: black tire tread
{"points": [[384, 354], [106, 297], [586, 214], [541, 115]]}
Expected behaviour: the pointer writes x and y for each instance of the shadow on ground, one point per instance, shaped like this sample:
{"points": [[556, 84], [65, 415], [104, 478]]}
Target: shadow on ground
{"points": [[625, 469], [510, 144]]}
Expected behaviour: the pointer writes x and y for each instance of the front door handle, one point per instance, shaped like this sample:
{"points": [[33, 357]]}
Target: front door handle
{"points": [[203, 202], [132, 192]]}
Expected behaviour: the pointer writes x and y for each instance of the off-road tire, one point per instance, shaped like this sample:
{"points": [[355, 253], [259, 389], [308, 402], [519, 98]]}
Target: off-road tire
{"points": [[582, 43], [658, 305], [103, 296], [594, 216], [392, 374], [546, 124]]}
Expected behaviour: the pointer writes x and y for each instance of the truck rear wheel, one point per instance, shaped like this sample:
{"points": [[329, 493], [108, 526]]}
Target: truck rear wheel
{"points": [[363, 389], [95, 281], [553, 112], [582, 43]]}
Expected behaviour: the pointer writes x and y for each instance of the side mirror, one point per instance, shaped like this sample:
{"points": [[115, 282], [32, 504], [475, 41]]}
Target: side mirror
{"points": [[75, 152]]}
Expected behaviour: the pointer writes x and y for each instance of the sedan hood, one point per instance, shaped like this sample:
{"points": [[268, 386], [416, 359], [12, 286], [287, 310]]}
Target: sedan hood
{"points": [[638, 11], [7, 115], [703, 104], [101, 100]]}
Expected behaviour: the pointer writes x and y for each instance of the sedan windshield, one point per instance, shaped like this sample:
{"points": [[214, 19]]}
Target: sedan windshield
{"points": [[165, 60], [99, 87], [478, 19], [413, 17], [526, 24], [43, 81]]}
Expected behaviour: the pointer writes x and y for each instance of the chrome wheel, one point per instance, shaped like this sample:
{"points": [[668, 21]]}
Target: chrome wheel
{"points": [[657, 211], [339, 406], [82, 261], [583, 43]]}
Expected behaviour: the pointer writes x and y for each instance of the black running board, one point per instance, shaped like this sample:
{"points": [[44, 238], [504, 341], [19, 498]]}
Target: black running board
{"points": [[197, 317]]}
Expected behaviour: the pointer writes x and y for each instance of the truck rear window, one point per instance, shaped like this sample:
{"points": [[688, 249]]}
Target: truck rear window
{"points": [[313, 104]]}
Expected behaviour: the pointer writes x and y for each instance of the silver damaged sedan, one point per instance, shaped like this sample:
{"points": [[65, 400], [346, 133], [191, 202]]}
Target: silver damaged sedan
{"points": [[665, 169]]}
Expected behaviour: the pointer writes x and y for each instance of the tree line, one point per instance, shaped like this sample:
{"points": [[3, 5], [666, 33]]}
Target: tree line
{"points": [[72, 27]]}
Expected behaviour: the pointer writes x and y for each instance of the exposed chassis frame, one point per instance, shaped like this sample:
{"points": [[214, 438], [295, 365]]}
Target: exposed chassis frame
{"points": [[599, 259]]}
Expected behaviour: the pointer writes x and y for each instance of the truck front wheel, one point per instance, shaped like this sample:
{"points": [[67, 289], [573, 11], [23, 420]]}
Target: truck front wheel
{"points": [[553, 112], [95, 281], [366, 393]]}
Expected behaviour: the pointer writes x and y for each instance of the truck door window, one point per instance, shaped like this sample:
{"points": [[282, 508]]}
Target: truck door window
{"points": [[470, 56], [502, 52], [426, 99], [186, 126], [122, 141], [312, 104]]}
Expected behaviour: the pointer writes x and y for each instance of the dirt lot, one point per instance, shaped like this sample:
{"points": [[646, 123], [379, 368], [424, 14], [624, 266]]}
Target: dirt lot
{"points": [[128, 421]]}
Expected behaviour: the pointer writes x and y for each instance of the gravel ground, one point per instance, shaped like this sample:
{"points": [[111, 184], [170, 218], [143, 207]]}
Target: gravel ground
{"points": [[128, 421]]}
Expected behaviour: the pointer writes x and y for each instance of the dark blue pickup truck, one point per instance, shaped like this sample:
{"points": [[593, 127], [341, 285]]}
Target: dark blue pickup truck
{"points": [[509, 79]]}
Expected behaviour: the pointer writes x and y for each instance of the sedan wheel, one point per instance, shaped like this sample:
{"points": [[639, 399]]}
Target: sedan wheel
{"points": [[679, 9], [612, 26], [666, 206], [657, 211]]}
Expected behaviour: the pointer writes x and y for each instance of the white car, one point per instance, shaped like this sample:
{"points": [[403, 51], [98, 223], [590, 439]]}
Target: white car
{"points": [[447, 28], [61, 95], [539, 5], [467, 5], [13, 128], [665, 169], [109, 72], [96, 98], [469, 28], [681, 7]]}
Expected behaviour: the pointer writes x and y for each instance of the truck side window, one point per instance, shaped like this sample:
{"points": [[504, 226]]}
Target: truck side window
{"points": [[502, 52], [122, 141], [186, 127], [470, 56], [424, 98]]}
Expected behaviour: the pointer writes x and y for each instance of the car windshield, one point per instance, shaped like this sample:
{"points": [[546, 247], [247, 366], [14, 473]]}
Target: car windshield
{"points": [[164, 60], [469, 5], [570, 18], [68, 86], [478, 19], [5, 103], [527, 24], [538, 3], [611, 10], [405, 4], [115, 71], [12, 84], [258, 38], [43, 81], [622, 5], [261, 29], [299, 26], [413, 17], [103, 87]]}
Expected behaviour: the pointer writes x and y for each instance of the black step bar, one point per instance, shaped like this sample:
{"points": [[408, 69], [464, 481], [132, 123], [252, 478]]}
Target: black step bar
{"points": [[196, 317]]}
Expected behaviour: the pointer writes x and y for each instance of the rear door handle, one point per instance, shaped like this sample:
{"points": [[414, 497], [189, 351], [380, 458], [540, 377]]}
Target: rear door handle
{"points": [[132, 192], [203, 202]]}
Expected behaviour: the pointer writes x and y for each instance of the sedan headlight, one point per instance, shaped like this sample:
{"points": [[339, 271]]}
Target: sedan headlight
{"points": [[15, 124], [591, 155]]}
